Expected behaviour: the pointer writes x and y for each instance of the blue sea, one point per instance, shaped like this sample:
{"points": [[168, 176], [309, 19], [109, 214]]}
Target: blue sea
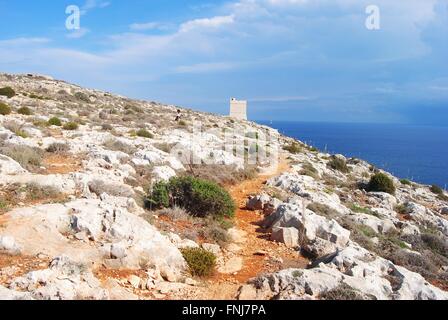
{"points": [[418, 153]]}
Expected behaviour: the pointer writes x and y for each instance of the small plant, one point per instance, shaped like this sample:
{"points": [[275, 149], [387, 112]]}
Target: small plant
{"points": [[182, 123], [144, 134], [7, 92], [106, 127], [343, 292], [406, 182], [309, 170], [71, 126], [381, 183], [4, 109], [16, 128], [25, 111], [82, 97], [436, 190], [338, 164], [439, 192], [26, 156], [117, 145], [55, 121], [293, 148], [200, 261], [201, 198], [58, 147]]}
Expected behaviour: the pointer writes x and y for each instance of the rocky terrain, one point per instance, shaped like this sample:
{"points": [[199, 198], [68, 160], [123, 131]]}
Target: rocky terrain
{"points": [[76, 166]]}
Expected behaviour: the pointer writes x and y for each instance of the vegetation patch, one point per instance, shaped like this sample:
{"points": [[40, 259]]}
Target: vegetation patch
{"points": [[293, 148], [200, 261], [55, 121], [338, 164], [309, 170], [201, 198], [25, 111], [4, 109], [7, 92], [344, 292], [59, 148], [71, 126], [381, 183], [29, 158], [143, 133]]}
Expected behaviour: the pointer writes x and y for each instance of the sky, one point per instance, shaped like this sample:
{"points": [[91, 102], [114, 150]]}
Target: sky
{"points": [[301, 60]]}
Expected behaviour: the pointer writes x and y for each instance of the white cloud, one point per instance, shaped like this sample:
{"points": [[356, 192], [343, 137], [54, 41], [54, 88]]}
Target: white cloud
{"points": [[94, 4], [77, 34], [207, 23], [145, 26]]}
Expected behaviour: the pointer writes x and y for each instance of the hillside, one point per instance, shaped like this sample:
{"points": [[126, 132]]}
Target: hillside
{"points": [[79, 174]]}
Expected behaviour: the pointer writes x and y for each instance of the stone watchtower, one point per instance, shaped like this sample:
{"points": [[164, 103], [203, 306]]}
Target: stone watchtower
{"points": [[238, 109]]}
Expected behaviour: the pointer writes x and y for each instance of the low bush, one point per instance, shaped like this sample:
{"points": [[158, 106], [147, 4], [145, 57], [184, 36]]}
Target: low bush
{"points": [[27, 157], [222, 174], [381, 183], [405, 182], [106, 127], [144, 134], [4, 109], [117, 145], [338, 164], [201, 198], [344, 292], [309, 170], [58, 147], [25, 111], [71, 126], [293, 148], [200, 261], [55, 122], [7, 92], [16, 128]]}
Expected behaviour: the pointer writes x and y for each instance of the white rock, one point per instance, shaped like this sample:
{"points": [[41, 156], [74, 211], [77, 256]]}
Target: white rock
{"points": [[9, 166], [288, 236], [8, 245]]}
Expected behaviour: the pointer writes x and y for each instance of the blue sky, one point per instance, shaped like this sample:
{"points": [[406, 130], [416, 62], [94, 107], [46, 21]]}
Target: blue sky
{"points": [[308, 60]]}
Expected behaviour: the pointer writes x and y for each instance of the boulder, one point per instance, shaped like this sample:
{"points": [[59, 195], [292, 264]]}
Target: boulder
{"points": [[163, 173], [288, 236], [8, 245], [9, 166], [444, 211], [9, 295], [64, 280]]}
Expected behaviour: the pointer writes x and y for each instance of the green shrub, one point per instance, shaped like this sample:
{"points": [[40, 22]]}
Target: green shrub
{"points": [[381, 183], [199, 197], [4, 109], [160, 196], [182, 123], [338, 164], [25, 111], [436, 190], [293, 148], [200, 261], [406, 182], [71, 126], [7, 92], [55, 122], [144, 134]]}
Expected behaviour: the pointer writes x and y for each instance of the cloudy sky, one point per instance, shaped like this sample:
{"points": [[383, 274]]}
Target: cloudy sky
{"points": [[308, 60]]}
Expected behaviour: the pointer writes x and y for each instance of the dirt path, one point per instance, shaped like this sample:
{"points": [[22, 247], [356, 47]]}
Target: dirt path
{"points": [[258, 253]]}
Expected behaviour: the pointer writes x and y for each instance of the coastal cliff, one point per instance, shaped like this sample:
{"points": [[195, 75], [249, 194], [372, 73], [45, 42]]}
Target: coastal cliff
{"points": [[79, 218]]}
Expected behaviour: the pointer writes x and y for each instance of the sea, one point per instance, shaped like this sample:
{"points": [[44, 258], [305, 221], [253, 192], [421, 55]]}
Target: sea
{"points": [[417, 153]]}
